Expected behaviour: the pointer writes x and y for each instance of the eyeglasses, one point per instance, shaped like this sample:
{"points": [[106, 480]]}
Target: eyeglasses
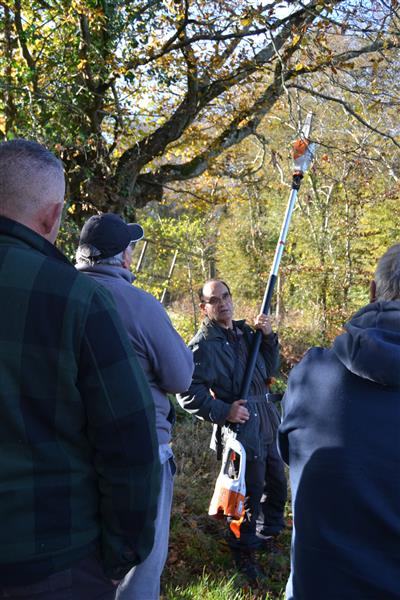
{"points": [[214, 300]]}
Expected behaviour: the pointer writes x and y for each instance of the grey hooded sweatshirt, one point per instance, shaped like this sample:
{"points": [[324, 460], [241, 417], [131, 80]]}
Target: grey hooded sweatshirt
{"points": [[163, 355]]}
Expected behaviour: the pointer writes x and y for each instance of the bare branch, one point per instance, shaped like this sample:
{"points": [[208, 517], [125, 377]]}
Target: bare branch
{"points": [[84, 50], [22, 39], [348, 109]]}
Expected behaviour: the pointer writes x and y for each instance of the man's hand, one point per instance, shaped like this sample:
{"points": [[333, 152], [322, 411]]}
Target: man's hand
{"points": [[238, 412], [263, 323]]}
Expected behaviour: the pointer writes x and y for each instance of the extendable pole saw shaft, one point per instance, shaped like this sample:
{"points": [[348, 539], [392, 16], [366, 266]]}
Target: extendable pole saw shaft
{"points": [[303, 153], [230, 492]]}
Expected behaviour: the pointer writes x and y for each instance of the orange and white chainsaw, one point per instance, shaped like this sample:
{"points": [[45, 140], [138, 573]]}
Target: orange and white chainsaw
{"points": [[230, 487]]}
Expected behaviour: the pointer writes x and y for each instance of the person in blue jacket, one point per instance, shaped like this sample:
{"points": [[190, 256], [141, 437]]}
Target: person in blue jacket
{"points": [[340, 436]]}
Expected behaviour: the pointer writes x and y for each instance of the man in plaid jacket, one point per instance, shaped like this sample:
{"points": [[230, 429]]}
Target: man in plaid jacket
{"points": [[79, 467]]}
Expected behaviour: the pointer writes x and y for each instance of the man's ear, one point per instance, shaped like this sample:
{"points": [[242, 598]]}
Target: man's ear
{"points": [[202, 306], [49, 219], [372, 291]]}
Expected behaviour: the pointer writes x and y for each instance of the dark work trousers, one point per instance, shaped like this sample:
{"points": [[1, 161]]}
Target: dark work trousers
{"points": [[85, 580], [266, 487]]}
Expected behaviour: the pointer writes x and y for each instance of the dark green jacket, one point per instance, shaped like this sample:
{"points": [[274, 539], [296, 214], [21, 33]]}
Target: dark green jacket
{"points": [[217, 369], [79, 467]]}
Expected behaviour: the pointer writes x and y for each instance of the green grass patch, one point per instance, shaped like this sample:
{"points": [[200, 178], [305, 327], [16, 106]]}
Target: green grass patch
{"points": [[209, 588]]}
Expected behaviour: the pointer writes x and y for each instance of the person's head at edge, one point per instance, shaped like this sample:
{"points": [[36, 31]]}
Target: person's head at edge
{"points": [[106, 239], [32, 186], [386, 283], [216, 302]]}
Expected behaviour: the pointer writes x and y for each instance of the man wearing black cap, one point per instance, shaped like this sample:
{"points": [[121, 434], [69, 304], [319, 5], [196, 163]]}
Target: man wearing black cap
{"points": [[105, 254], [106, 236]]}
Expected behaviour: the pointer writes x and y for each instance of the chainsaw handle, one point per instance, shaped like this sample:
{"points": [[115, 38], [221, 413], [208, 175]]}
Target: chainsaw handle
{"points": [[233, 446]]}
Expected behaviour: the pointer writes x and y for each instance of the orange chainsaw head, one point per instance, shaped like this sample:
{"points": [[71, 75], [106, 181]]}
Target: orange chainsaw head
{"points": [[299, 148]]}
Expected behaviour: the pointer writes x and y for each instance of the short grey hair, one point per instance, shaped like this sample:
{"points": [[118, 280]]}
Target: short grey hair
{"points": [[90, 255], [30, 176], [387, 275]]}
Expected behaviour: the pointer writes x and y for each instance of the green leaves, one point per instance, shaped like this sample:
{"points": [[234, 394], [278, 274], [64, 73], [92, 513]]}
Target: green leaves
{"points": [[165, 88]]}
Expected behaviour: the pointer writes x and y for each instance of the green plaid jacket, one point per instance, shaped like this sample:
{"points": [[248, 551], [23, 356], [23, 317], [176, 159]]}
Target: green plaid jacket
{"points": [[79, 467]]}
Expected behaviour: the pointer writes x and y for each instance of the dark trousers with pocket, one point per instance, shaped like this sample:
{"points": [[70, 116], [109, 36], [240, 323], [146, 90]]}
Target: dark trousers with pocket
{"points": [[84, 580]]}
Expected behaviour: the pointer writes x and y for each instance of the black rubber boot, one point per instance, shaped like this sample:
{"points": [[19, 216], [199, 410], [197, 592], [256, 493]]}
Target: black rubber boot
{"points": [[248, 567]]}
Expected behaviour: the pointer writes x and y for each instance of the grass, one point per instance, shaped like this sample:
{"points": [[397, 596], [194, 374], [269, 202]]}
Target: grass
{"points": [[199, 564], [208, 588]]}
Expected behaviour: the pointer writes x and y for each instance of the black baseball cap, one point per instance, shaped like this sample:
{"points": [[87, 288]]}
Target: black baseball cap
{"points": [[108, 234]]}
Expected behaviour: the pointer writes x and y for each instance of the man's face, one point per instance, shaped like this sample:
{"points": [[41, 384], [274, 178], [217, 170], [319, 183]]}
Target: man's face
{"points": [[217, 303]]}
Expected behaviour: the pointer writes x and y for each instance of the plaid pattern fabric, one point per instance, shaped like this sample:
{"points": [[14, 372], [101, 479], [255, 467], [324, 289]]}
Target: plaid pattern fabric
{"points": [[79, 466]]}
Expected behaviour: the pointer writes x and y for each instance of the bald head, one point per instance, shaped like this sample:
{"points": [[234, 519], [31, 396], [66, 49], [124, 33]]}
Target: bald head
{"points": [[31, 185]]}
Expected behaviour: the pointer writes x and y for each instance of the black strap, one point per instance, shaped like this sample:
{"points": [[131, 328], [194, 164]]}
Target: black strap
{"points": [[218, 441]]}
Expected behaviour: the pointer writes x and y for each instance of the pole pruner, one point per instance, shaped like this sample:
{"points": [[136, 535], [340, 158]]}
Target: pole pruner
{"points": [[230, 488]]}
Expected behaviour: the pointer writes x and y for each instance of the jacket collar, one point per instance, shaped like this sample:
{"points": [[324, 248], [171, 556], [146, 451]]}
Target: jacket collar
{"points": [[107, 270], [12, 233], [211, 330]]}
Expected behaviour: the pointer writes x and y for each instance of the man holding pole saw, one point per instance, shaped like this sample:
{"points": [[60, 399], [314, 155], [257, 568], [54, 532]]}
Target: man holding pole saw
{"points": [[232, 367], [221, 349]]}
